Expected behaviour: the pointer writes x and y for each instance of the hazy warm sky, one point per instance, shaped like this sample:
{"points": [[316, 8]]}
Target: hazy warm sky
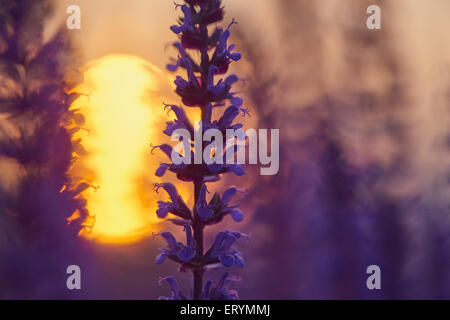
{"points": [[139, 27]]}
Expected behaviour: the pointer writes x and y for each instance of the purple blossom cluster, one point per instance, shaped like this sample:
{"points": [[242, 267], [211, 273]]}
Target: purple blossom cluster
{"points": [[200, 89]]}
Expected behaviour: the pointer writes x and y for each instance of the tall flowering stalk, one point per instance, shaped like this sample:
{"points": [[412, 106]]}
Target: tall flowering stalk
{"points": [[43, 211], [201, 90], [34, 105]]}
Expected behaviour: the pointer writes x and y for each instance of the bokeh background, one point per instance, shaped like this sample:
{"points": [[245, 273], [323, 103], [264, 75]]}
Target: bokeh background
{"points": [[364, 150]]}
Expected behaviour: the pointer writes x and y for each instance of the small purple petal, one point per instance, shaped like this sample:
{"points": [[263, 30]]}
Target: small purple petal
{"points": [[237, 215], [239, 261], [170, 239], [236, 101], [178, 29], [237, 169], [228, 116], [187, 15], [163, 209], [162, 169], [160, 259], [170, 189], [230, 80], [166, 149], [172, 67], [173, 284], [228, 194], [235, 56], [204, 212], [186, 254], [172, 126], [181, 83], [226, 260]]}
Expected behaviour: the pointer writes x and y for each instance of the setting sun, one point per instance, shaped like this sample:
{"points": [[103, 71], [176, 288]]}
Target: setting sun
{"points": [[121, 107]]}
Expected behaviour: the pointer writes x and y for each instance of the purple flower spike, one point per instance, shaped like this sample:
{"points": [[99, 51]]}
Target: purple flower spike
{"points": [[209, 56]]}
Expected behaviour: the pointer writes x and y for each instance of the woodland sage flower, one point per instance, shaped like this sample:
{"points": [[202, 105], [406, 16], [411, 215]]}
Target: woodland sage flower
{"points": [[176, 250], [204, 54], [176, 206]]}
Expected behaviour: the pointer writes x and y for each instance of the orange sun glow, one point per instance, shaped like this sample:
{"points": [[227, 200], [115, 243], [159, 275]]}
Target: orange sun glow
{"points": [[123, 111]]}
